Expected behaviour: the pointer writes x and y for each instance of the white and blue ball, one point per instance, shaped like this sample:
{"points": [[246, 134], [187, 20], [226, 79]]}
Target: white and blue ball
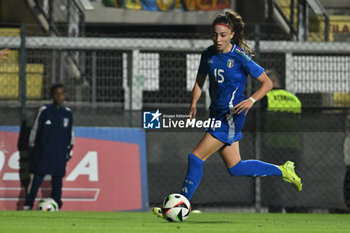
{"points": [[47, 204], [176, 208]]}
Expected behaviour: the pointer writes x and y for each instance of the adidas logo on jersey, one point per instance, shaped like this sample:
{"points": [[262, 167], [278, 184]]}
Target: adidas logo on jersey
{"points": [[48, 122]]}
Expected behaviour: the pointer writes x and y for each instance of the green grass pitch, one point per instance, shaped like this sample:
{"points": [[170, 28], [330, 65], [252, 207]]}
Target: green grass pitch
{"points": [[104, 222]]}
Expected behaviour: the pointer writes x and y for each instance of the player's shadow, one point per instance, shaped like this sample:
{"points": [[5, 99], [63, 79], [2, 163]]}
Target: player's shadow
{"points": [[209, 222], [24, 174]]}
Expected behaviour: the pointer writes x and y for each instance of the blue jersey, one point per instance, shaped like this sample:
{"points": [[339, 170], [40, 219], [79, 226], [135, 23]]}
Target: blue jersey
{"points": [[227, 75]]}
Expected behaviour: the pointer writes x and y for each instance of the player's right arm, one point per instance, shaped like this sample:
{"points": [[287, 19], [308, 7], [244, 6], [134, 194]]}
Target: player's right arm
{"points": [[196, 93], [198, 85]]}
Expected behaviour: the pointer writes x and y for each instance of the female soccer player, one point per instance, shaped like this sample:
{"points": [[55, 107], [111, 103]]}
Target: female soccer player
{"points": [[227, 63]]}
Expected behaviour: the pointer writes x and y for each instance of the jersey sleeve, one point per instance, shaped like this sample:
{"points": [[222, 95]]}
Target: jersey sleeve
{"points": [[71, 132], [70, 137], [37, 127], [252, 68], [203, 65]]}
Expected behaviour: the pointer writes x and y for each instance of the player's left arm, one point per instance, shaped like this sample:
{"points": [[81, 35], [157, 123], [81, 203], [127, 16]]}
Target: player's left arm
{"points": [[265, 86], [70, 139]]}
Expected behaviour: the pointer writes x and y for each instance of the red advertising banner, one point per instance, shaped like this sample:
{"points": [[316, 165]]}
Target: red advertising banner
{"points": [[106, 172]]}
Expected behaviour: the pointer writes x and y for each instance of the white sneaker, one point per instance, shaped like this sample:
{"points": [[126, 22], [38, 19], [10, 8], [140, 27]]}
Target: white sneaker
{"points": [[26, 207]]}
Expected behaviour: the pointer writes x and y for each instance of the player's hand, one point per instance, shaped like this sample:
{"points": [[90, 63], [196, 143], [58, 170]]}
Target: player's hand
{"points": [[244, 105], [192, 112], [68, 157], [4, 53], [69, 153]]}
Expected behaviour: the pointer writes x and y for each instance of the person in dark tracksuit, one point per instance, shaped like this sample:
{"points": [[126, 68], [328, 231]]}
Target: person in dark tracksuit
{"points": [[50, 143]]}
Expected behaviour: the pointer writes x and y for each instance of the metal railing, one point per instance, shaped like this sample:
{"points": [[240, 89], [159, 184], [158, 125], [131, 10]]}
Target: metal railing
{"points": [[297, 14], [65, 18]]}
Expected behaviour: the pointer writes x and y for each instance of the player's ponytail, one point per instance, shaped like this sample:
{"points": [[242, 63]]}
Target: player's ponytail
{"points": [[234, 21]]}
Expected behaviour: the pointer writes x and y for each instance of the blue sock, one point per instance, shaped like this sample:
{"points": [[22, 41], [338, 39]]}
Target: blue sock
{"points": [[193, 176], [255, 168]]}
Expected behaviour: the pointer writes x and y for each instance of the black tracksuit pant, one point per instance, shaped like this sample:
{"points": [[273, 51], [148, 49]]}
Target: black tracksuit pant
{"points": [[56, 192]]}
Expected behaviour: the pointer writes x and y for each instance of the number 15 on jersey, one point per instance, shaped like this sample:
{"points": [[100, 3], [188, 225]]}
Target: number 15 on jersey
{"points": [[218, 74]]}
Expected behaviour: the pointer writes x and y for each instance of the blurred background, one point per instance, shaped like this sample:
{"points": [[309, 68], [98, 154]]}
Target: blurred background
{"points": [[119, 57]]}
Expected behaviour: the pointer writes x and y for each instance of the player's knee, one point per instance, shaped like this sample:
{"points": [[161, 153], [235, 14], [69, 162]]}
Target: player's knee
{"points": [[236, 170], [197, 154]]}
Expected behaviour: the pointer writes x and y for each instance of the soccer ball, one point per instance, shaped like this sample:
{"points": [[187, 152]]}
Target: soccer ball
{"points": [[47, 204], [176, 208]]}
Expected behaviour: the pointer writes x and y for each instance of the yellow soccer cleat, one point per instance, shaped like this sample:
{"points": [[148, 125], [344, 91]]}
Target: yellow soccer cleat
{"points": [[289, 175], [158, 212]]}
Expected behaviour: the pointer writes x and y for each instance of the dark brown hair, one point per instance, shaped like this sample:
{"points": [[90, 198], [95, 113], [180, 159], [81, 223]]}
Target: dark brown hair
{"points": [[235, 21]]}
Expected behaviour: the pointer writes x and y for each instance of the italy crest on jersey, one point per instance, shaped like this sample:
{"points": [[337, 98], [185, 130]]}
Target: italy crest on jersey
{"points": [[65, 122], [230, 63]]}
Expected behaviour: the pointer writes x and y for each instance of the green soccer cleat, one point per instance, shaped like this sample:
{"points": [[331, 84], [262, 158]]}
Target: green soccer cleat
{"points": [[158, 212], [289, 175]]}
